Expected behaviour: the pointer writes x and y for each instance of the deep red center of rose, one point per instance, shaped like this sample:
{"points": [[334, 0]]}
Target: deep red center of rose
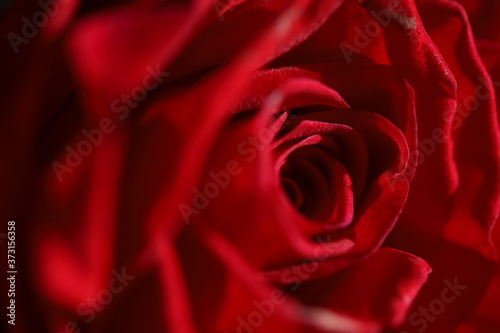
{"points": [[308, 182], [317, 183]]}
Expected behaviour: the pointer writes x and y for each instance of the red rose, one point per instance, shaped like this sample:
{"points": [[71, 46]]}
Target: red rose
{"points": [[250, 166]]}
